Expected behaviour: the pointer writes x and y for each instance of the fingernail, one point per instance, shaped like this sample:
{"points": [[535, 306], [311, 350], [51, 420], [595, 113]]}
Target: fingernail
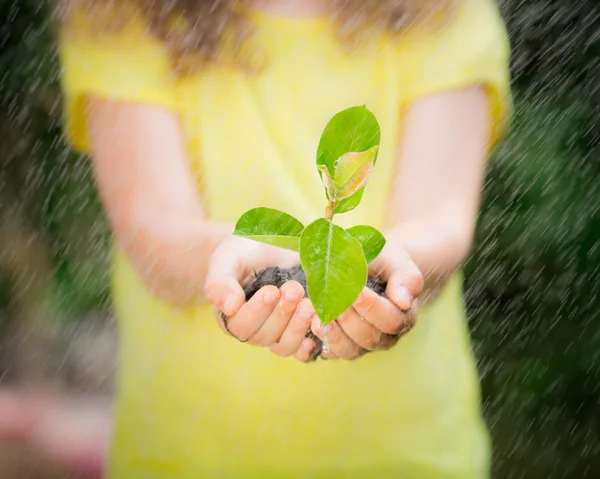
{"points": [[270, 298], [292, 296], [403, 299], [306, 313], [229, 305], [330, 328]]}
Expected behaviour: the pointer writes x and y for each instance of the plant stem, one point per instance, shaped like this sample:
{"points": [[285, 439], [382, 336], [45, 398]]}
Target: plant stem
{"points": [[329, 211]]}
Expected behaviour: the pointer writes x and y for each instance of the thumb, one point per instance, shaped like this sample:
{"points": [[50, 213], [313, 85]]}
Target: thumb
{"points": [[404, 286], [405, 281], [222, 286]]}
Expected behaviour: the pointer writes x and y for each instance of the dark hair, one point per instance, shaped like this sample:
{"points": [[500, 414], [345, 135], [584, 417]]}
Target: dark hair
{"points": [[211, 24]]}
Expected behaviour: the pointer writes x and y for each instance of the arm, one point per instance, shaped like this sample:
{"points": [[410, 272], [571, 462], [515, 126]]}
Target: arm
{"points": [[158, 219], [435, 200], [150, 197]]}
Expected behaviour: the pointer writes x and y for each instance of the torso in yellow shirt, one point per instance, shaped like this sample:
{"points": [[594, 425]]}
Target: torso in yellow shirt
{"points": [[192, 402]]}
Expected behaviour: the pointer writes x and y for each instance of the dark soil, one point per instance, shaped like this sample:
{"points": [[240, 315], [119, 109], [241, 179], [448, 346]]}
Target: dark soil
{"points": [[277, 277]]}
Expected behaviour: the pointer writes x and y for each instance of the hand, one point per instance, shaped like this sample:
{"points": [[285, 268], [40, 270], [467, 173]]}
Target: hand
{"points": [[277, 318], [374, 322]]}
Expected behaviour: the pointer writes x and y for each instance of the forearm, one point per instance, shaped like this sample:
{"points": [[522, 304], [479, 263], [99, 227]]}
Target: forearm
{"points": [[435, 197], [172, 253], [149, 192]]}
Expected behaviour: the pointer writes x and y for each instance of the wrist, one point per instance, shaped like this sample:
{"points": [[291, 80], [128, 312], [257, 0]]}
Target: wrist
{"points": [[431, 250], [172, 256]]}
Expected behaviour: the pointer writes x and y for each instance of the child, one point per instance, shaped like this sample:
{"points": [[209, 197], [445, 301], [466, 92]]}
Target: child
{"points": [[194, 111]]}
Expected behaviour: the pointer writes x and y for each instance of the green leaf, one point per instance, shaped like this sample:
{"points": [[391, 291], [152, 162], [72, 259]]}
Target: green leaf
{"points": [[335, 267], [349, 203], [352, 172], [270, 226], [353, 130], [371, 240], [327, 181]]}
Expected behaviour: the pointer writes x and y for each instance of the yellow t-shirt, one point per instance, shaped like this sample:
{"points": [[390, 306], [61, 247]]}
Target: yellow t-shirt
{"points": [[193, 402]]}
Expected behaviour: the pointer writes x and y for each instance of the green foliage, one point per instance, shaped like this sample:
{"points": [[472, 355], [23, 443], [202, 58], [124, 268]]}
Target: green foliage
{"points": [[353, 130], [335, 267], [556, 45], [371, 240], [271, 227], [533, 290], [351, 174], [49, 188], [334, 260]]}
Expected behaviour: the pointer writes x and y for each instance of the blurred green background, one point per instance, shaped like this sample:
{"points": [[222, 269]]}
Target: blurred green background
{"points": [[532, 283]]}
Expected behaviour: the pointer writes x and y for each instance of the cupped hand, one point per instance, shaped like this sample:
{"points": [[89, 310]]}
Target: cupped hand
{"points": [[376, 322], [277, 318]]}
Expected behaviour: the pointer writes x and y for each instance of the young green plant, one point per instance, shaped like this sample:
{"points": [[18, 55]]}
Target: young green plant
{"points": [[334, 259]]}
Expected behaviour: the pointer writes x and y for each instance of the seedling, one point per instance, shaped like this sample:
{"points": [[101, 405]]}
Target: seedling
{"points": [[334, 259]]}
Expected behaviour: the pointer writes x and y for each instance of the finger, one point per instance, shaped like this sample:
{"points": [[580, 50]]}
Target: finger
{"points": [[404, 279], [380, 312], [390, 341], [226, 294], [359, 330], [251, 316], [339, 344], [222, 286], [221, 319], [411, 318], [225, 276], [405, 284], [328, 355], [294, 334], [291, 293], [306, 350]]}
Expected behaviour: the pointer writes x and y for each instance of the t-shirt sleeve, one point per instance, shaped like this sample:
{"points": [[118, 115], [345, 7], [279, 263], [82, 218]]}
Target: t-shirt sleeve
{"points": [[473, 48], [128, 66]]}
